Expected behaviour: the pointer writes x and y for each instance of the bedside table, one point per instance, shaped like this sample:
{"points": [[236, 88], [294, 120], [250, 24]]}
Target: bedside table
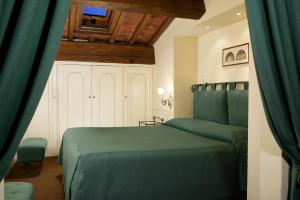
{"points": [[156, 121]]}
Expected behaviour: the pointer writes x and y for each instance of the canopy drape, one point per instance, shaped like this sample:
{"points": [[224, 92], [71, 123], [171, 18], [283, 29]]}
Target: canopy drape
{"points": [[275, 36], [30, 33]]}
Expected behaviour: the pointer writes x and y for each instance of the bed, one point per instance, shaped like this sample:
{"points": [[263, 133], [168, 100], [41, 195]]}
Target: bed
{"points": [[183, 159]]}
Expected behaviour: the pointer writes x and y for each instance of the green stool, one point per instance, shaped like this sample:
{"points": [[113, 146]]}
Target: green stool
{"points": [[18, 191], [32, 150]]}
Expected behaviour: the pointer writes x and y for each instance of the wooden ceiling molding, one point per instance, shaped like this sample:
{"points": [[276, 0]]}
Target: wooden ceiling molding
{"points": [[106, 53], [189, 9], [136, 26]]}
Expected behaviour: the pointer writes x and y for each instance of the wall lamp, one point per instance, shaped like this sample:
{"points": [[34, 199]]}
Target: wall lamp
{"points": [[165, 101]]}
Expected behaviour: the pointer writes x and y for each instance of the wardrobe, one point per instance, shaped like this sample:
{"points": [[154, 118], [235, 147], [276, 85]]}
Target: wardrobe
{"points": [[81, 94]]}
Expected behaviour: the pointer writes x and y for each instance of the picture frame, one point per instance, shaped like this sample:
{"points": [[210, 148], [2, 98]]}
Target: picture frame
{"points": [[235, 55]]}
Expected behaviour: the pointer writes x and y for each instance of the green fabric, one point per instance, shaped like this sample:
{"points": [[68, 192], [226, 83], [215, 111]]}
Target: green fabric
{"points": [[236, 135], [194, 88], [30, 32], [18, 191], [196, 105], [238, 107], [147, 163], [275, 30], [211, 105], [32, 149]]}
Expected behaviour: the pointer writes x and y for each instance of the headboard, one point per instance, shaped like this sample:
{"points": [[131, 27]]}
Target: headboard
{"points": [[220, 86], [225, 103]]}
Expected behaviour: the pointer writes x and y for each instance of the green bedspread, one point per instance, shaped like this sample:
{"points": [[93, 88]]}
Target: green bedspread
{"points": [[175, 161]]}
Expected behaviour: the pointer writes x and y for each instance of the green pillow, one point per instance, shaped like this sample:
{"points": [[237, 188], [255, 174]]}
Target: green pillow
{"points": [[238, 107], [211, 106]]}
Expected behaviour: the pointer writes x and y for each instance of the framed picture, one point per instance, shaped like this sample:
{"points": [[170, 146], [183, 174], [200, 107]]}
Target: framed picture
{"points": [[236, 55]]}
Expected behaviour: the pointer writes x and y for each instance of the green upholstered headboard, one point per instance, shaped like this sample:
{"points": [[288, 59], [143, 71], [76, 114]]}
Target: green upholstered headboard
{"points": [[225, 103]]}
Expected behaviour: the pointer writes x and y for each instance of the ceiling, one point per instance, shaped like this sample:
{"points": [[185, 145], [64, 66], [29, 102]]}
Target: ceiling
{"points": [[114, 27], [123, 32], [226, 18]]}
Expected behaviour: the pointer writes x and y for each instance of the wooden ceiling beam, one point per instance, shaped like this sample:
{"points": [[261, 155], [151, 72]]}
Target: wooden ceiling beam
{"points": [[190, 9], [72, 22], [92, 39], [110, 53], [87, 35], [139, 28], [116, 18], [121, 17]]}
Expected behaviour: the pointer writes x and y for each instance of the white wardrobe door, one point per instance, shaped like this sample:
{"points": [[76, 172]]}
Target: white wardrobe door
{"points": [[74, 97], [42, 122], [107, 86], [138, 95]]}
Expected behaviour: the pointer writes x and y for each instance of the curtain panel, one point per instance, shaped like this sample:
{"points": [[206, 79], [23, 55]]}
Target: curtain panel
{"points": [[275, 36], [30, 33]]}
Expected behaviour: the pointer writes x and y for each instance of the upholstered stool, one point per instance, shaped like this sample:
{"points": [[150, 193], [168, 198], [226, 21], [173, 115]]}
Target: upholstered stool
{"points": [[18, 191], [32, 150]]}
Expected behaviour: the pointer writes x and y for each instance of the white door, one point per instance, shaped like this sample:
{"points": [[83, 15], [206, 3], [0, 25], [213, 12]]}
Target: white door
{"points": [[44, 119], [138, 95], [107, 87], [75, 99]]}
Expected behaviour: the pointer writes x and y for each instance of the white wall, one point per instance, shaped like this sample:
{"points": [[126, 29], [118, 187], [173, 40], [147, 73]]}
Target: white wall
{"points": [[164, 50], [210, 47], [164, 64], [2, 190], [164, 72], [185, 68]]}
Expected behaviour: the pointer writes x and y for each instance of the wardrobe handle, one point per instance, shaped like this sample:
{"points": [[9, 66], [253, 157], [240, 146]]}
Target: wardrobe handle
{"points": [[93, 97], [89, 97]]}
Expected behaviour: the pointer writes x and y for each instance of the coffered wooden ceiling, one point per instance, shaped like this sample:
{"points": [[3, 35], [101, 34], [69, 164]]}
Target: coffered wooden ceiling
{"points": [[119, 36], [117, 27]]}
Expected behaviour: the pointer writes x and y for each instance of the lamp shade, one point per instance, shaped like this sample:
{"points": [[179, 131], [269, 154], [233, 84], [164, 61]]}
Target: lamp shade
{"points": [[160, 91]]}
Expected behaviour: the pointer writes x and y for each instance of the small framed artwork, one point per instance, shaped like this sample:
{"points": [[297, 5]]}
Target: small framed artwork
{"points": [[236, 55]]}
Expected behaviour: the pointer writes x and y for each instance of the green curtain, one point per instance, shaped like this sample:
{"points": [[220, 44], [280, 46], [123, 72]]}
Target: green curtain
{"points": [[275, 36], [30, 33]]}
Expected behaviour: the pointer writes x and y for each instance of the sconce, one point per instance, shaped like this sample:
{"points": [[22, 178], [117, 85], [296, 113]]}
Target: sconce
{"points": [[164, 101]]}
